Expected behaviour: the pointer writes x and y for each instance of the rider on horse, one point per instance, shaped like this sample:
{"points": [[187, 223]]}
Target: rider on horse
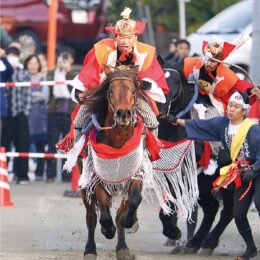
{"points": [[215, 80], [123, 49]]}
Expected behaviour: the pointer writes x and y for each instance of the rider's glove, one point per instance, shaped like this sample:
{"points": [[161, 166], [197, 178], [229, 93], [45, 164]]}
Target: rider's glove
{"points": [[172, 119]]}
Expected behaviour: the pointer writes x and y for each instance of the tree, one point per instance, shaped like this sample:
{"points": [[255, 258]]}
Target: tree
{"points": [[166, 11]]}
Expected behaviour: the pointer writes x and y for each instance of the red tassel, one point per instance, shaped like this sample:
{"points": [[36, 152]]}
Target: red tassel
{"points": [[238, 182], [205, 157], [247, 190], [153, 146]]}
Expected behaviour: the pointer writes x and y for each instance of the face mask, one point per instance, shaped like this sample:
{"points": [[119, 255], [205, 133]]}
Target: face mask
{"points": [[13, 60]]}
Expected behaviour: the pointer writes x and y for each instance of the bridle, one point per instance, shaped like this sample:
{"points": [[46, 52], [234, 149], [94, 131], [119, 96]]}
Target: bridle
{"points": [[134, 114]]}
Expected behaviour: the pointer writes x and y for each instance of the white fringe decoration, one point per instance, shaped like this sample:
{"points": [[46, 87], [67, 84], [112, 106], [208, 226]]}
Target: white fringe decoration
{"points": [[181, 176], [73, 154], [177, 167]]}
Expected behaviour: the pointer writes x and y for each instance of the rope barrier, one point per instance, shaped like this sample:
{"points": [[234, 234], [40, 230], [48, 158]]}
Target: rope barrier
{"points": [[34, 155], [33, 84]]}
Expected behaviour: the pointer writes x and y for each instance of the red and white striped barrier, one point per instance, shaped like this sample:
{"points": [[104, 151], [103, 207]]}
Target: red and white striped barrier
{"points": [[34, 155], [5, 195], [33, 84]]}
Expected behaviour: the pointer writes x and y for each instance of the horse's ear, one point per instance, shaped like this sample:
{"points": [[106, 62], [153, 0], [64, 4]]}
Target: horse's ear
{"points": [[135, 70], [108, 69]]}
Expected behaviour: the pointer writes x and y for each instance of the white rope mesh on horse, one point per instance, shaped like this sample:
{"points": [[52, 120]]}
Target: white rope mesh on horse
{"points": [[146, 113], [119, 169], [177, 168], [80, 119], [115, 175]]}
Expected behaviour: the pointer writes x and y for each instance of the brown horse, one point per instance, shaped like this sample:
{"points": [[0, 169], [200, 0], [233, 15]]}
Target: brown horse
{"points": [[114, 104]]}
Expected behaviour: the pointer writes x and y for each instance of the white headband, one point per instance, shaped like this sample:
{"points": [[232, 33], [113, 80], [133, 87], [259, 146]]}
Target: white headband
{"points": [[237, 98]]}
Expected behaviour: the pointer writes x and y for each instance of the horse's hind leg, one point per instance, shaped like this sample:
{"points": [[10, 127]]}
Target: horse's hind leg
{"points": [[169, 221], [170, 229], [91, 219], [108, 228], [134, 200]]}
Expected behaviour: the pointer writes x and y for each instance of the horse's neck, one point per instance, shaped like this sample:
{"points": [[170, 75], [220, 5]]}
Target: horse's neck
{"points": [[115, 137]]}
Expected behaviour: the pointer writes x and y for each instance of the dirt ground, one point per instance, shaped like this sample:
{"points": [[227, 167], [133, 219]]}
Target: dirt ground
{"points": [[46, 225]]}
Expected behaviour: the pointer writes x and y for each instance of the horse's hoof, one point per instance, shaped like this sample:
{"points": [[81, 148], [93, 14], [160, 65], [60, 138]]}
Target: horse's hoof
{"points": [[124, 254], [109, 233], [206, 251], [172, 232], [90, 257], [133, 229], [169, 242], [177, 250], [190, 250]]}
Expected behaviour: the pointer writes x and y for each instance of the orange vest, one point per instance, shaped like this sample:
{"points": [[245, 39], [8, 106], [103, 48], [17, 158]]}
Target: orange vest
{"points": [[104, 47], [222, 87]]}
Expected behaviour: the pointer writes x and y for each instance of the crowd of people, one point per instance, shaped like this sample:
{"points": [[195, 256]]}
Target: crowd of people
{"points": [[34, 118]]}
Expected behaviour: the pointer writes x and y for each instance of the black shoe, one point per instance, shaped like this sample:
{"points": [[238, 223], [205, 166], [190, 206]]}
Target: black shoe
{"points": [[249, 253]]}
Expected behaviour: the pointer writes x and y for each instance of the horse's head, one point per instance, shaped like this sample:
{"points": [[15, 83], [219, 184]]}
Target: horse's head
{"points": [[181, 91], [121, 94]]}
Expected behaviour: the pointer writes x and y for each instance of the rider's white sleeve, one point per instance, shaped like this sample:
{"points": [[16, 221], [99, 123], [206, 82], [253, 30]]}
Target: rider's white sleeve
{"points": [[76, 84], [155, 92]]}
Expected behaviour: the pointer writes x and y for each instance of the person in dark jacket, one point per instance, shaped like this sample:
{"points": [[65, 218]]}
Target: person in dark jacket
{"points": [[60, 107], [242, 138]]}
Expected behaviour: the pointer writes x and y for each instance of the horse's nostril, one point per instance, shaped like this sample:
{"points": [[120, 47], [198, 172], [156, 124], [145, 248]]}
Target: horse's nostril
{"points": [[123, 113], [119, 112], [128, 112]]}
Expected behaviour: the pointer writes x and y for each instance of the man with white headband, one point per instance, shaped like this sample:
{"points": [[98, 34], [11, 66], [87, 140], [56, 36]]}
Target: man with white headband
{"points": [[242, 138]]}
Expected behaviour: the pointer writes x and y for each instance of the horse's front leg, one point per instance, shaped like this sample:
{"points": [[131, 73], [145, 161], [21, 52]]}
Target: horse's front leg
{"points": [[134, 200], [108, 228], [91, 219]]}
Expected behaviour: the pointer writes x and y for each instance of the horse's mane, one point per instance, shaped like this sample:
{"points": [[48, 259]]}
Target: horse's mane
{"points": [[96, 101]]}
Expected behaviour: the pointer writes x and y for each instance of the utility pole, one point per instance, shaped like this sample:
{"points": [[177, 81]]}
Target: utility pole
{"points": [[141, 17], [149, 25], [182, 18], [255, 54], [52, 33]]}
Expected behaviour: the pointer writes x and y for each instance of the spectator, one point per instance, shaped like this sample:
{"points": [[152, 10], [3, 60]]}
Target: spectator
{"points": [[172, 50], [39, 111], [182, 51], [6, 71], [5, 40], [15, 125], [43, 61], [60, 106]]}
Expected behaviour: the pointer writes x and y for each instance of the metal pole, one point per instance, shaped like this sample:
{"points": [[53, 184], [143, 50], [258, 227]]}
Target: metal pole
{"points": [[149, 25], [182, 19], [52, 33], [255, 54]]}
